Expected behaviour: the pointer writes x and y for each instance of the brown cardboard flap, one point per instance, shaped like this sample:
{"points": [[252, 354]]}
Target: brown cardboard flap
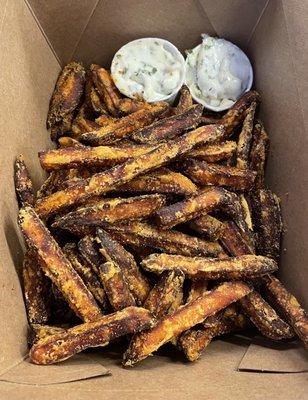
{"points": [[75, 369], [267, 356]]}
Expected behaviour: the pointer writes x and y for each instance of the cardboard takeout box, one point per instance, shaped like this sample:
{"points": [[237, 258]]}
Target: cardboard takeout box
{"points": [[37, 37]]}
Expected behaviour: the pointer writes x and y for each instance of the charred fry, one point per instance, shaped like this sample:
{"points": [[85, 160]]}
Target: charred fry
{"points": [[56, 266], [105, 181], [288, 305], [185, 101], [243, 267], [214, 152], [245, 137], [203, 173], [114, 252], [258, 153], [88, 249], [167, 241], [170, 127], [184, 318], [62, 128], [63, 345], [67, 93], [23, 183]]}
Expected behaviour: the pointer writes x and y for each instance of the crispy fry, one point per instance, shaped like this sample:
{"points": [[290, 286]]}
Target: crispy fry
{"points": [[172, 242], [101, 156], [288, 305], [37, 332], [89, 251], [169, 127], [237, 112], [123, 127], [62, 128], [56, 266], [245, 137], [63, 345], [243, 267], [105, 181], [23, 183], [93, 99], [258, 153], [160, 181], [112, 210], [209, 119], [167, 295], [246, 211], [197, 288], [66, 141], [36, 287], [232, 240], [106, 88], [203, 173], [114, 252], [67, 93], [214, 152], [128, 106], [184, 318], [265, 318], [207, 225], [185, 101], [115, 286], [86, 273]]}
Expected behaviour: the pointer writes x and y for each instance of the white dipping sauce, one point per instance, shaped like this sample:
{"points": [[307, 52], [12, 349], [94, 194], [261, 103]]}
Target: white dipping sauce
{"points": [[149, 68], [217, 73]]}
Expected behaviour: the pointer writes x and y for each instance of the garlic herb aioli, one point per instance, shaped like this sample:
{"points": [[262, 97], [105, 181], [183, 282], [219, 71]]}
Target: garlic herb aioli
{"points": [[217, 73], [150, 68]]}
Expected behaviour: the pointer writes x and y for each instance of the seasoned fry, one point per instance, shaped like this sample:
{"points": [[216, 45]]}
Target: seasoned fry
{"points": [[169, 127], [214, 152], [185, 101], [243, 267], [207, 225], [56, 266], [236, 114], [265, 318], [86, 273], [288, 305], [105, 181], [232, 240], [112, 210], [258, 153], [67, 93], [246, 211], [37, 332], [160, 181], [115, 286], [93, 99], [89, 251], [123, 127], [167, 295], [206, 120], [184, 318], [114, 252], [23, 183], [203, 173], [128, 106], [63, 345], [197, 288], [172, 242], [245, 137], [36, 287], [66, 141], [101, 156], [62, 128]]}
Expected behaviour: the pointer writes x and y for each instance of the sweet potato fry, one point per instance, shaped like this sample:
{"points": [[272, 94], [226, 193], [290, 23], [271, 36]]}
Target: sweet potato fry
{"points": [[112, 210], [214, 152], [197, 288], [63, 345], [265, 318], [67, 93], [36, 287], [232, 240], [100, 156], [237, 112], [37, 332], [86, 273], [258, 153], [105, 181], [169, 127], [93, 100], [207, 225], [209, 119], [172, 242], [106, 88], [123, 127], [23, 183], [128, 106], [56, 266], [184, 318], [89, 251], [246, 211], [243, 267], [288, 305], [245, 138], [114, 252], [165, 294], [234, 178], [62, 128], [162, 180], [185, 101], [66, 141]]}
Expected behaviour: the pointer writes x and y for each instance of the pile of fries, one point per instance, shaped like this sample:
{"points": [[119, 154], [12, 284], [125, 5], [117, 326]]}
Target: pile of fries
{"points": [[154, 224]]}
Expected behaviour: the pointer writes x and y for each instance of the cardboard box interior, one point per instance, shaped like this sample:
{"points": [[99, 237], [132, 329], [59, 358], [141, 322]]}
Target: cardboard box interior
{"points": [[36, 38]]}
